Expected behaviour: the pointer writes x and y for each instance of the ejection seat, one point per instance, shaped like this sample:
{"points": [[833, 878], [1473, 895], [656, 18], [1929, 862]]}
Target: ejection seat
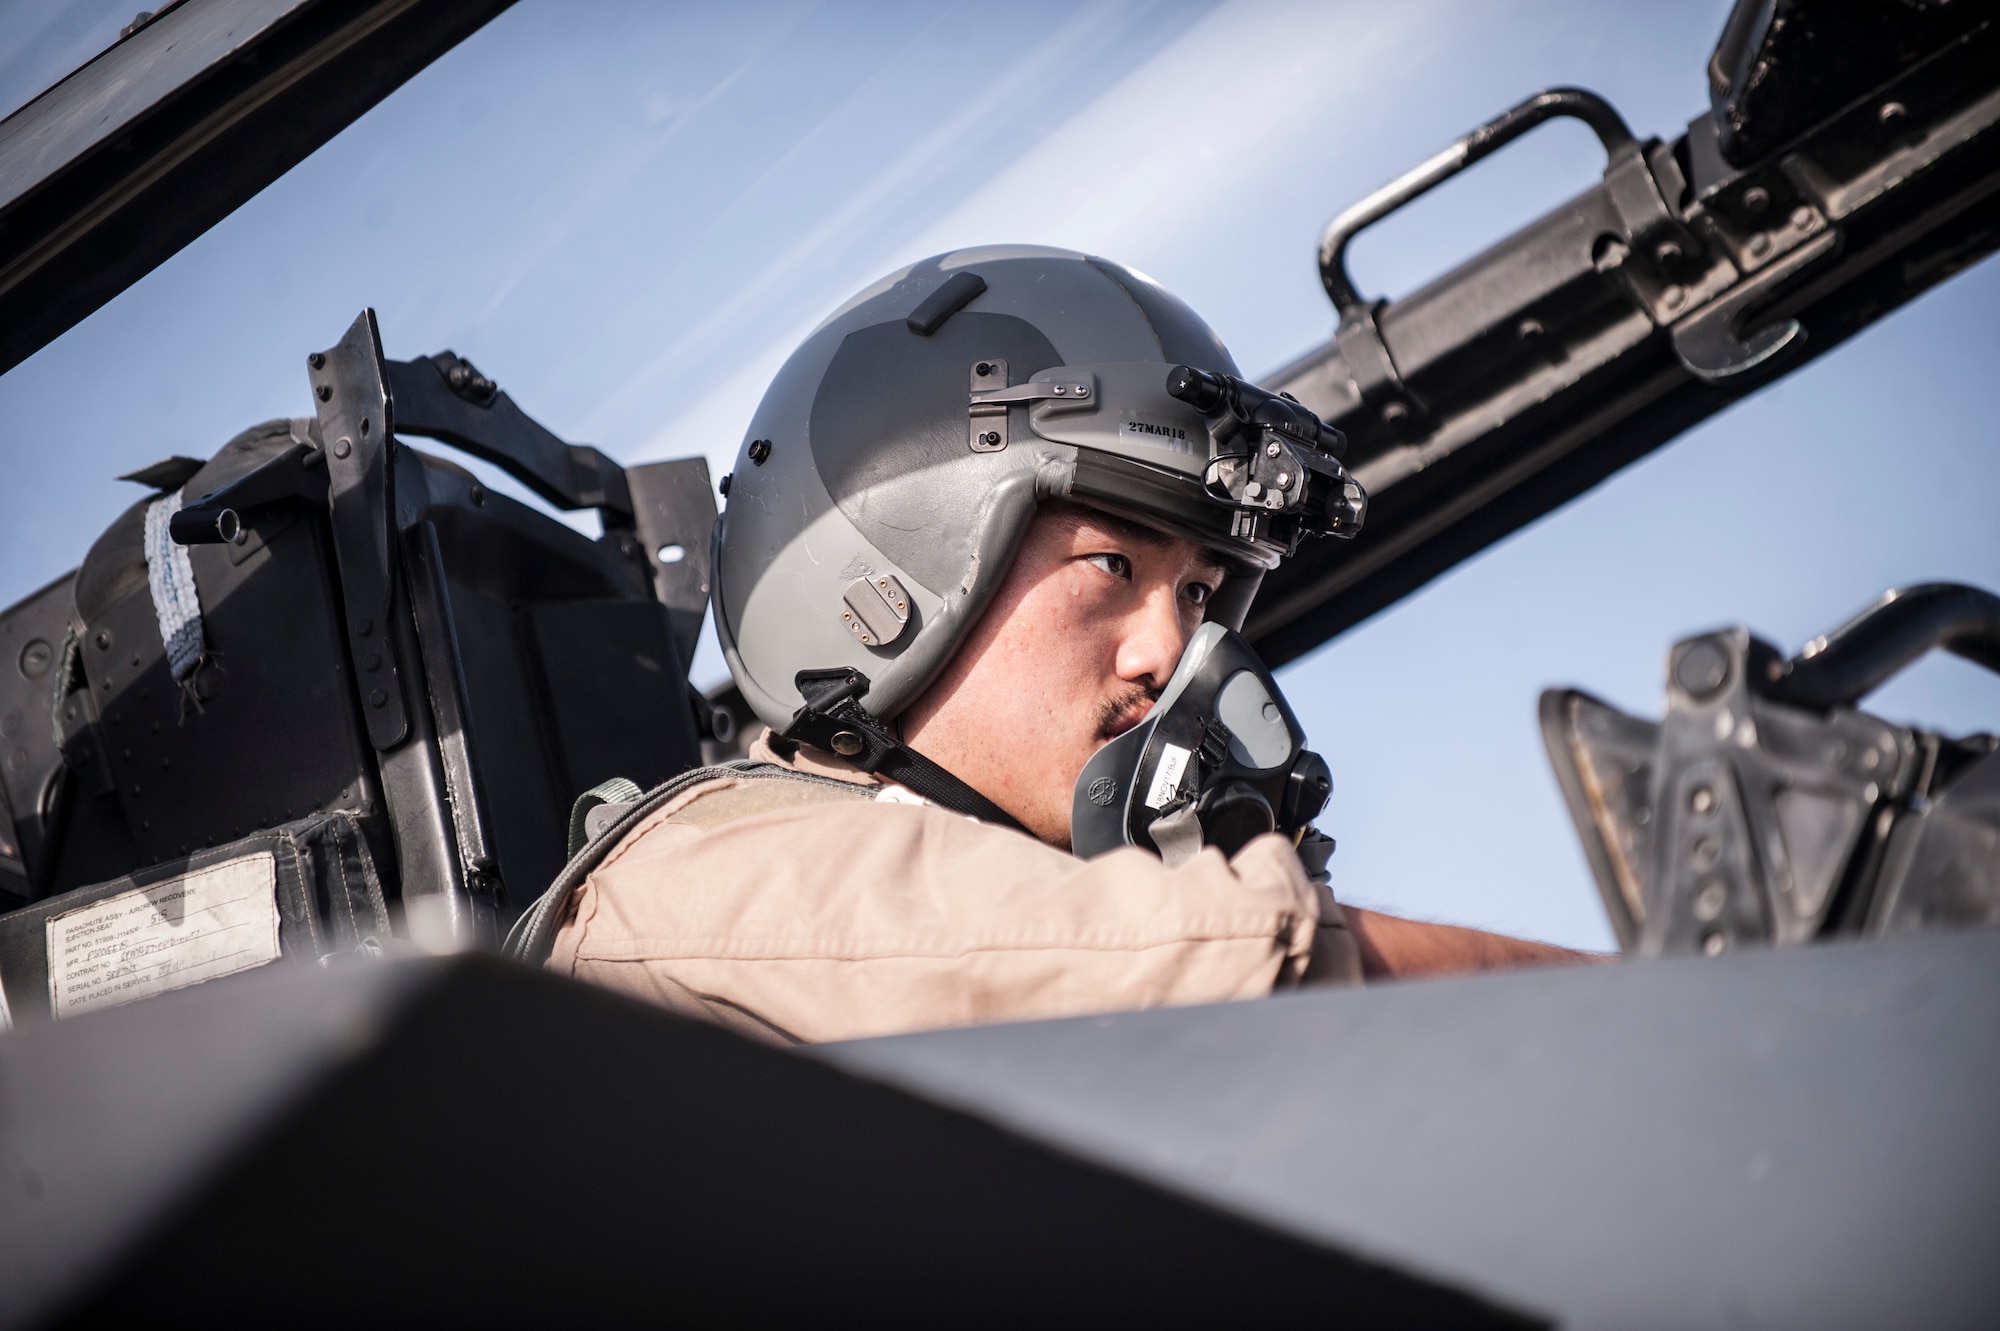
{"points": [[325, 691]]}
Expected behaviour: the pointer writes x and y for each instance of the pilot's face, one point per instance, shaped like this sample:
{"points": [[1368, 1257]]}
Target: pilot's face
{"points": [[1079, 641]]}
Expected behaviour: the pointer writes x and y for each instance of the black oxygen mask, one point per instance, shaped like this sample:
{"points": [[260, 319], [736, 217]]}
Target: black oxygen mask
{"points": [[1219, 760]]}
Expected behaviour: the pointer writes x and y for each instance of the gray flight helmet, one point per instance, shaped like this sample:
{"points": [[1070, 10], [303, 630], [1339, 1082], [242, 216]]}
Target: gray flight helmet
{"points": [[893, 466]]}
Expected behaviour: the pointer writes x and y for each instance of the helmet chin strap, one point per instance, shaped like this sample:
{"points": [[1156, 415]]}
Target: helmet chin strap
{"points": [[834, 719]]}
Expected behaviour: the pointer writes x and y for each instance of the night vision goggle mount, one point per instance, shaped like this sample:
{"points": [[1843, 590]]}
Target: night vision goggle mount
{"points": [[1271, 455]]}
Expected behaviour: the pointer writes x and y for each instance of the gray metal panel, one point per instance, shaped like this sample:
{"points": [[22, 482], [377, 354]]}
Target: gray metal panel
{"points": [[477, 1143], [101, 100], [152, 142], [1796, 1138]]}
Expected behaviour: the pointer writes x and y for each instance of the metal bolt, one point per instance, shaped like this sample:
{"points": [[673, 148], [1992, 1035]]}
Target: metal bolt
{"points": [[1083, 390], [1703, 800], [36, 658], [1891, 113], [1756, 199], [846, 743], [724, 487], [1252, 490], [990, 437], [1394, 413], [1529, 329], [326, 392], [342, 446], [983, 369], [1284, 480], [1668, 252], [364, 627], [364, 427], [378, 699], [1706, 853], [1760, 245], [103, 640], [1701, 669], [1708, 902], [1271, 449], [371, 662], [1673, 296], [1802, 217], [317, 360], [478, 496], [760, 449], [1714, 944]]}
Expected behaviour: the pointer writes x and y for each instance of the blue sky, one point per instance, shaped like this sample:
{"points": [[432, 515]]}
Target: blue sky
{"points": [[627, 214]]}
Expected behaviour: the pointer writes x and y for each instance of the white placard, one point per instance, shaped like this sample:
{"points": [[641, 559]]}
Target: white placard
{"points": [[208, 924], [1167, 776]]}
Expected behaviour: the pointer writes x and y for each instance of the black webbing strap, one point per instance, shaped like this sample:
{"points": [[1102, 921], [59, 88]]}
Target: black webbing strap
{"points": [[834, 719]]}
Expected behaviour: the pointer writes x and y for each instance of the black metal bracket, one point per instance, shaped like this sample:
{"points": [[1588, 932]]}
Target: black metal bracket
{"points": [[1664, 249], [444, 677], [356, 421], [222, 516], [1713, 342], [444, 397], [673, 504]]}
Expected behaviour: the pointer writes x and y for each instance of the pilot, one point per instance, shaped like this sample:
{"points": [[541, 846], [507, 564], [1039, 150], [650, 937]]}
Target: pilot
{"points": [[1004, 585]]}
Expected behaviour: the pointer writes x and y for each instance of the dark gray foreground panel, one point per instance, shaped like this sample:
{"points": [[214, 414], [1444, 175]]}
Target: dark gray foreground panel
{"points": [[475, 1143], [1798, 1138]]}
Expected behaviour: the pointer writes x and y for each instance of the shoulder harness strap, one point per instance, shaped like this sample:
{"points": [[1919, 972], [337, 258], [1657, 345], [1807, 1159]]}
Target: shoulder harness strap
{"points": [[533, 935]]}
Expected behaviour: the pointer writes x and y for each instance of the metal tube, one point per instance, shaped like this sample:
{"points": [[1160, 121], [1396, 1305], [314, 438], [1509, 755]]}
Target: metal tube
{"points": [[1575, 103], [1845, 665]]}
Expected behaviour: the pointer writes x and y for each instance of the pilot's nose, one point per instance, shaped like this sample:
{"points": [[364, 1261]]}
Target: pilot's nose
{"points": [[1153, 640]]}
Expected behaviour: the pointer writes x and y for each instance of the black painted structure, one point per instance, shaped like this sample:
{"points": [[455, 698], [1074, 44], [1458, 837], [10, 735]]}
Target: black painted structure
{"points": [[475, 1143]]}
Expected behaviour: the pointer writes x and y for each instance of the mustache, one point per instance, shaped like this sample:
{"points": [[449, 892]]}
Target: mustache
{"points": [[1113, 713]]}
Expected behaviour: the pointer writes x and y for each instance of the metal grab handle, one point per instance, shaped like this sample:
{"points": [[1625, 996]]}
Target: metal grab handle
{"points": [[1838, 669], [1575, 103]]}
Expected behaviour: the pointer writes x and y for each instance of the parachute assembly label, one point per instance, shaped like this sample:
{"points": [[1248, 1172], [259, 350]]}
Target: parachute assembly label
{"points": [[201, 926]]}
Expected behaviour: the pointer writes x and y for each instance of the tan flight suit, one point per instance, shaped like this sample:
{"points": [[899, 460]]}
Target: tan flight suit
{"points": [[811, 912]]}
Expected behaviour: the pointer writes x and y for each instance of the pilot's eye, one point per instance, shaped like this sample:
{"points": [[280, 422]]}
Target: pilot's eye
{"points": [[1198, 593], [1118, 566]]}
